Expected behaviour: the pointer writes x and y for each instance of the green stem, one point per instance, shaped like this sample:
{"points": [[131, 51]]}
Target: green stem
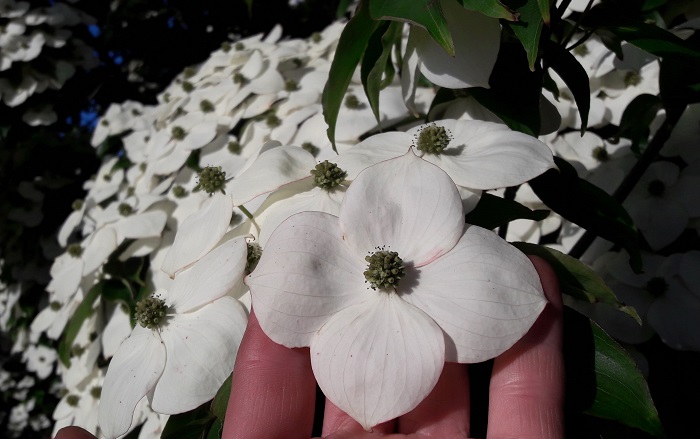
{"points": [[246, 212]]}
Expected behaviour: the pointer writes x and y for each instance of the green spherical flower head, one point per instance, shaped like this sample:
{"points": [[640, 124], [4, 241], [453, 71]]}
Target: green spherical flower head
{"points": [[272, 120], [656, 188], [600, 154], [234, 147], [206, 106], [179, 191], [239, 46], [433, 139], [78, 204], [178, 133], [291, 85], [311, 148], [211, 179], [238, 78], [125, 209], [353, 103], [75, 250], [316, 37], [189, 72], [150, 312], [187, 86], [55, 306], [328, 175], [581, 50], [226, 46], [384, 269], [657, 286], [254, 254], [96, 392], [72, 400], [632, 78]]}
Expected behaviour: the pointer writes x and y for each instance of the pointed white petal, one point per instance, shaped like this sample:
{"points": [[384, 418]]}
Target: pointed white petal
{"points": [[69, 225], [133, 372], [102, 244], [373, 150], [379, 359], [209, 278], [484, 293], [144, 225], [202, 348], [406, 204], [199, 233], [65, 283], [476, 40], [273, 168], [488, 155], [306, 273]]}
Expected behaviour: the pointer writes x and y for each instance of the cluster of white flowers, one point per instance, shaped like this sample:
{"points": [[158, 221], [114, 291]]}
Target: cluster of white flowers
{"points": [[26, 34], [237, 146]]}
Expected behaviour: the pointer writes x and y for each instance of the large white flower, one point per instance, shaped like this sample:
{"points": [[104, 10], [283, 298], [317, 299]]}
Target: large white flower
{"points": [[185, 344], [434, 290]]}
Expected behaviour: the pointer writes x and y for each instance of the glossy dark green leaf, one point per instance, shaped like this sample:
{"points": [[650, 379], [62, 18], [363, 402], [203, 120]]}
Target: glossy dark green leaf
{"points": [[593, 209], [679, 79], [602, 380], [524, 117], [544, 10], [574, 75], [374, 62], [220, 401], [82, 312], [351, 47], [637, 118], [491, 8], [424, 13], [342, 8], [577, 279], [493, 211], [215, 430], [528, 28], [194, 424]]}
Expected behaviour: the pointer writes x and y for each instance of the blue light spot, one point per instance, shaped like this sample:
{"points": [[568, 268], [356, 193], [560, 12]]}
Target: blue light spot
{"points": [[94, 30], [171, 22], [88, 119]]}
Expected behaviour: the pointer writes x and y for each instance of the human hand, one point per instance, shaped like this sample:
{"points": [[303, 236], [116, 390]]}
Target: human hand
{"points": [[274, 390]]}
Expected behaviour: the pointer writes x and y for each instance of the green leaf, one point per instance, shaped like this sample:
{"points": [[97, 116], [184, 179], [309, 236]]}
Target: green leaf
{"points": [[424, 13], [637, 118], [593, 209], [577, 279], [116, 290], [351, 47], [217, 427], [220, 401], [679, 79], [493, 211], [342, 8], [82, 312], [528, 29], [602, 380], [374, 62], [194, 424], [491, 8], [544, 10], [573, 74]]}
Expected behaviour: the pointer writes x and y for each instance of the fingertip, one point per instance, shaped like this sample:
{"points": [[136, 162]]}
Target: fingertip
{"points": [[549, 281], [73, 433]]}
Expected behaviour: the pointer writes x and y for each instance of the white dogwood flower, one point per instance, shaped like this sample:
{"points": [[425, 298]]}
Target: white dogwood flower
{"points": [[390, 289]]}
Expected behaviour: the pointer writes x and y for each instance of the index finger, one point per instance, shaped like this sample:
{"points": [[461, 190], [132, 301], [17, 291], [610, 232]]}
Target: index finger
{"points": [[526, 396], [273, 390]]}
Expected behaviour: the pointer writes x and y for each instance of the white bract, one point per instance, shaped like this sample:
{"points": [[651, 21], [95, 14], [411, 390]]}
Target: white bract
{"points": [[181, 358], [435, 290]]}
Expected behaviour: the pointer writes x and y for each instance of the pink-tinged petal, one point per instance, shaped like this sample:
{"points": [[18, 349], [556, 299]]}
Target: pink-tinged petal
{"points": [[133, 372], [476, 40], [199, 233], [484, 293], [202, 347], [379, 359], [305, 275], [408, 205], [100, 247], [210, 277], [489, 155], [273, 168], [143, 225]]}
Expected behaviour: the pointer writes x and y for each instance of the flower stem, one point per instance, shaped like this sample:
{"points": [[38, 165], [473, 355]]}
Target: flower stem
{"points": [[245, 212]]}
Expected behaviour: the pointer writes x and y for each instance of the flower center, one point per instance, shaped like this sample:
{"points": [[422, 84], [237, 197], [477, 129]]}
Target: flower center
{"points": [[179, 191], [328, 175], [239, 78], [75, 250], [206, 106], [125, 209], [211, 179], [150, 312], [254, 254], [600, 154], [187, 86], [77, 204], [353, 103], [272, 120], [581, 50], [657, 286], [433, 139], [384, 269], [656, 188], [178, 133], [73, 400], [632, 79], [310, 147], [291, 85], [96, 391], [234, 147]]}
